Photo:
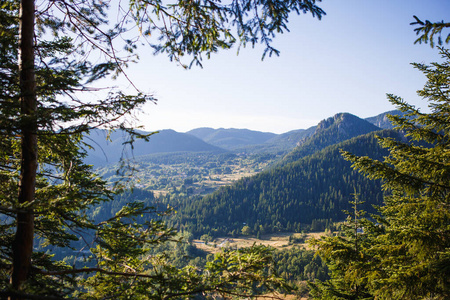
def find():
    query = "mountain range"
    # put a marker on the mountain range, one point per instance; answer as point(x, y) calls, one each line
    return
point(308, 189)
point(306, 185)
point(103, 151)
point(110, 150)
point(231, 138)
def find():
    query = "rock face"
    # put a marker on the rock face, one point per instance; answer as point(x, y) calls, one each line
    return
point(346, 124)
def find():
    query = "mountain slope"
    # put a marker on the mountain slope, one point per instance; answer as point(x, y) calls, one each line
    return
point(313, 190)
point(292, 138)
point(336, 129)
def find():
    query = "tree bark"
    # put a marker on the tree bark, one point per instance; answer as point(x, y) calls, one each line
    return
point(23, 241)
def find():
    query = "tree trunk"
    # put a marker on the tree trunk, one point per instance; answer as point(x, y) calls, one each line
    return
point(23, 241)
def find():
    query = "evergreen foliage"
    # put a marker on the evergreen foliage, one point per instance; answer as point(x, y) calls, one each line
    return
point(297, 264)
point(428, 30)
point(408, 247)
point(347, 257)
point(52, 52)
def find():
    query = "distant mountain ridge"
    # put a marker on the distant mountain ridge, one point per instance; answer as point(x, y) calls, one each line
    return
point(293, 137)
point(250, 141)
point(231, 138)
point(164, 141)
point(332, 130)
point(383, 121)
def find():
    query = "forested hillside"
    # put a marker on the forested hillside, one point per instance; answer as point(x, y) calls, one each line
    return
point(307, 190)
point(333, 130)
point(310, 192)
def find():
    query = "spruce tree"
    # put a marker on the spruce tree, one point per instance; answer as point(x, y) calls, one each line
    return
point(428, 31)
point(404, 251)
point(347, 258)
point(52, 55)
point(411, 255)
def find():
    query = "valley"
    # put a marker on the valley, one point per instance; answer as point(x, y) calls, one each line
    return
point(112, 186)
point(279, 241)
point(239, 188)
point(190, 174)
point(202, 160)
point(293, 182)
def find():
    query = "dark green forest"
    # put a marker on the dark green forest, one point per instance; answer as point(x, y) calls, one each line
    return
point(309, 194)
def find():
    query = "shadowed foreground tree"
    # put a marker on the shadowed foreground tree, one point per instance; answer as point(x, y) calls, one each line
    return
point(408, 247)
point(52, 52)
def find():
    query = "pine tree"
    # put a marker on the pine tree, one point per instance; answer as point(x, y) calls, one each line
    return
point(347, 258)
point(52, 54)
point(412, 253)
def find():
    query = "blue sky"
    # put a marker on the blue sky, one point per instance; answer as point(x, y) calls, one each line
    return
point(347, 62)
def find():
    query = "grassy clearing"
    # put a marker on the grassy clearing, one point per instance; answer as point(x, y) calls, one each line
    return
point(279, 241)
point(276, 240)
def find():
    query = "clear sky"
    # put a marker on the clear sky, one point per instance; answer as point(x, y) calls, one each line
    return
point(347, 62)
